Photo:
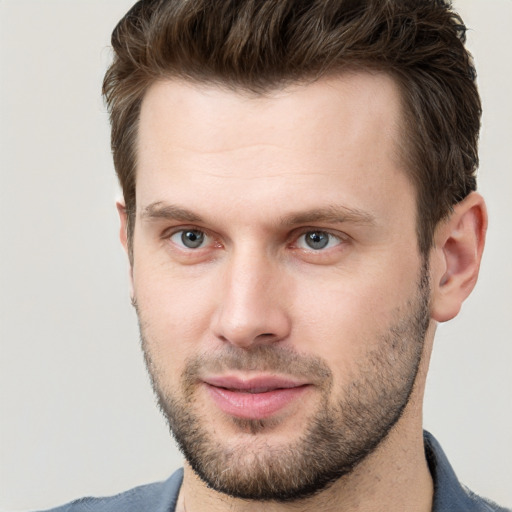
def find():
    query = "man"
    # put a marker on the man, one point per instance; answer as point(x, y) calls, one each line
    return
point(299, 213)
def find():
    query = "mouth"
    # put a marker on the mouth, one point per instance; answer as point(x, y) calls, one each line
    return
point(256, 397)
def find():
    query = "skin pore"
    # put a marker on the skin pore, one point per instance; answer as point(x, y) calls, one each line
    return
point(287, 316)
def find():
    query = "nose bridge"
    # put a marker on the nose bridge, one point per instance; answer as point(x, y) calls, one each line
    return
point(252, 308)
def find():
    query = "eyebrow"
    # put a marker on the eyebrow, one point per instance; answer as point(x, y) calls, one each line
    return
point(160, 210)
point(331, 214)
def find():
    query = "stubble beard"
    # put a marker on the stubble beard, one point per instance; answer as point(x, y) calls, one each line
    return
point(338, 435)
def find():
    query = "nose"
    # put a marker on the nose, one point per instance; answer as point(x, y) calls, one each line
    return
point(252, 309)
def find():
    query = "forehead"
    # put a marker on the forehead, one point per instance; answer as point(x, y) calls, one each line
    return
point(203, 117)
point(338, 137)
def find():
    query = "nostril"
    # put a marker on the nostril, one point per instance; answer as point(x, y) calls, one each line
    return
point(266, 335)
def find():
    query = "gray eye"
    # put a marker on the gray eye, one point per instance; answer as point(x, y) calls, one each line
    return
point(317, 239)
point(192, 238)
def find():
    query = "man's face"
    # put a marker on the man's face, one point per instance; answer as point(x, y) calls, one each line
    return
point(282, 300)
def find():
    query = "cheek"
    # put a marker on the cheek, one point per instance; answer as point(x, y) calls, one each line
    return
point(336, 327)
point(174, 314)
point(343, 320)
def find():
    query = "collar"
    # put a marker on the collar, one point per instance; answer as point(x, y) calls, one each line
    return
point(449, 494)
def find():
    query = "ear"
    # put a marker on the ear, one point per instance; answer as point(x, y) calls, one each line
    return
point(123, 236)
point(455, 258)
point(123, 224)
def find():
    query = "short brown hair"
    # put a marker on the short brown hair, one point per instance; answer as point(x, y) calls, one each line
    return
point(260, 45)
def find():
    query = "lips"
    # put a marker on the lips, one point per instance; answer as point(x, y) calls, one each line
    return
point(254, 398)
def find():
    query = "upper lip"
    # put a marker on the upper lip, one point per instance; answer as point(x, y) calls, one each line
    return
point(254, 384)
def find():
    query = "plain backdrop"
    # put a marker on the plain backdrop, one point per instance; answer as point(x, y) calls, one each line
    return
point(77, 416)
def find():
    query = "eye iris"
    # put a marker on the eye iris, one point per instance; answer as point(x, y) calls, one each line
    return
point(192, 238)
point(317, 239)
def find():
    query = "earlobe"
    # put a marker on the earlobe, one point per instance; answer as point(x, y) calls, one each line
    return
point(455, 262)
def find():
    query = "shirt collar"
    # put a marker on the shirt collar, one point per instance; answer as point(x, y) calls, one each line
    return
point(449, 493)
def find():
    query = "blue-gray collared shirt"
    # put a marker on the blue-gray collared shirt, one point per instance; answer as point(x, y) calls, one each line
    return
point(449, 494)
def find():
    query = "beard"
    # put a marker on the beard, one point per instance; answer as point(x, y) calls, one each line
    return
point(342, 431)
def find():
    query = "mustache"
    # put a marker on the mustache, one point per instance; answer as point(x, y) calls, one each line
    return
point(261, 358)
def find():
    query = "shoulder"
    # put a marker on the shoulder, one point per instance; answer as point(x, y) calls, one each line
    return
point(157, 497)
point(481, 504)
point(449, 494)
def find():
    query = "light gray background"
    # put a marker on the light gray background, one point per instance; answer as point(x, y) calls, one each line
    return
point(77, 416)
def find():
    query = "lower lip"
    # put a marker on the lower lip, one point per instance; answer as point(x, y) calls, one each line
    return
point(254, 406)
